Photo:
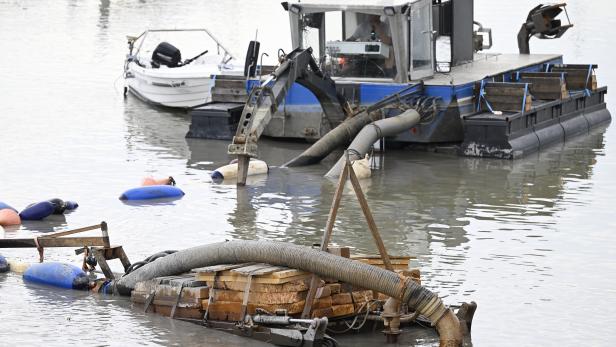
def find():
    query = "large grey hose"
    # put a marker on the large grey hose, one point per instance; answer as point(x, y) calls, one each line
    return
point(337, 137)
point(372, 132)
point(307, 259)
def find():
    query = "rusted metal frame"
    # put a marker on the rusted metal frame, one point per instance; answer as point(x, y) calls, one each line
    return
point(99, 254)
point(109, 253)
point(331, 219)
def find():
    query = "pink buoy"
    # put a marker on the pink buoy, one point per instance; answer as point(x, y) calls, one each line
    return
point(151, 181)
point(9, 217)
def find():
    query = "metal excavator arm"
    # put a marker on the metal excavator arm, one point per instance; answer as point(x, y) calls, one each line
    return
point(297, 66)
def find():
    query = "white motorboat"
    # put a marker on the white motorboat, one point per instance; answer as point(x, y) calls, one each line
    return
point(156, 73)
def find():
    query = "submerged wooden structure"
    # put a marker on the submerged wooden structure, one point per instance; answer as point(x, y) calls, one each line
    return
point(228, 292)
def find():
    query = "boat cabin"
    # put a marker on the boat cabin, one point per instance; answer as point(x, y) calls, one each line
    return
point(386, 40)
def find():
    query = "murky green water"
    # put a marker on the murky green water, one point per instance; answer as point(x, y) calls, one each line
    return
point(530, 240)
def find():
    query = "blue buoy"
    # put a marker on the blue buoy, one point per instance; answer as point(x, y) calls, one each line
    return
point(3, 206)
point(57, 275)
point(4, 265)
point(37, 211)
point(71, 205)
point(152, 192)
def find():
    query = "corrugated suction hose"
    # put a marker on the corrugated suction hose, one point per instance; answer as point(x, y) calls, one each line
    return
point(308, 259)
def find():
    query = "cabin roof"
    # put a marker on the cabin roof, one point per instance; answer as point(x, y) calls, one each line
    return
point(310, 6)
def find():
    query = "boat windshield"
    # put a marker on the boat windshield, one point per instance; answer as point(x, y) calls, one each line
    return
point(190, 42)
point(354, 44)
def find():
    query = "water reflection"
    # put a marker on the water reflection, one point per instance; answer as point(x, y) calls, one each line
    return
point(155, 130)
point(103, 20)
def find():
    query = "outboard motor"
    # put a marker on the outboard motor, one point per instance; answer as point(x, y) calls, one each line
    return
point(166, 54)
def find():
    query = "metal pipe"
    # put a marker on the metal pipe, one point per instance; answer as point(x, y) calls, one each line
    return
point(372, 132)
point(340, 135)
point(307, 259)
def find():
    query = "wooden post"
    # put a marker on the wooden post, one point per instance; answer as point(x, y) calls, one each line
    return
point(329, 227)
point(371, 224)
point(347, 172)
point(99, 254)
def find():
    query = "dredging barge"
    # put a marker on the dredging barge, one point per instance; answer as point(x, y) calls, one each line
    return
point(375, 60)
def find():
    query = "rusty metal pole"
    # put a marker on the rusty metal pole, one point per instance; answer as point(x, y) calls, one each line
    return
point(331, 219)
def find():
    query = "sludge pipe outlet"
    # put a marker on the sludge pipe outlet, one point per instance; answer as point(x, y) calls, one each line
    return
point(307, 259)
point(371, 133)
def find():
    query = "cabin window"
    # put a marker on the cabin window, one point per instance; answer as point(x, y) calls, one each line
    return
point(351, 44)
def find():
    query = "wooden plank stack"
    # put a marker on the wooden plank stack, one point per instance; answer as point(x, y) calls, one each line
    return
point(163, 293)
point(577, 75)
point(220, 291)
point(545, 85)
point(507, 97)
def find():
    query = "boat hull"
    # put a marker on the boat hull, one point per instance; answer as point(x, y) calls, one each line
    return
point(169, 91)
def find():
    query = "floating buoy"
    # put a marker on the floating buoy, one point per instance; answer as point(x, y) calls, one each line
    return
point(3, 206)
point(18, 266)
point(255, 167)
point(362, 168)
point(152, 192)
point(71, 205)
point(57, 275)
point(151, 181)
point(9, 217)
point(4, 265)
point(37, 211)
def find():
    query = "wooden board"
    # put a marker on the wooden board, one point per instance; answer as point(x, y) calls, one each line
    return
point(260, 272)
point(343, 310)
point(334, 311)
point(258, 279)
point(222, 267)
point(232, 311)
point(334, 287)
point(362, 296)
point(180, 312)
point(342, 299)
point(292, 286)
point(259, 298)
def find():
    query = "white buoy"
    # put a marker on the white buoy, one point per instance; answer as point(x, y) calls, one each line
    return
point(18, 267)
point(362, 168)
point(255, 167)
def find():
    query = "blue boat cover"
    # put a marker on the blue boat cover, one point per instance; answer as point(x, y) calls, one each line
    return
point(152, 192)
point(58, 275)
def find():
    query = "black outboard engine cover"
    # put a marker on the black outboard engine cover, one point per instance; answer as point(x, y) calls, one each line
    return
point(166, 54)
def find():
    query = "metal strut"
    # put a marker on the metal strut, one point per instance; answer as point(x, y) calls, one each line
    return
point(297, 66)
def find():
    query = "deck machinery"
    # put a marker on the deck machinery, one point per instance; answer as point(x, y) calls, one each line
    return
point(347, 57)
